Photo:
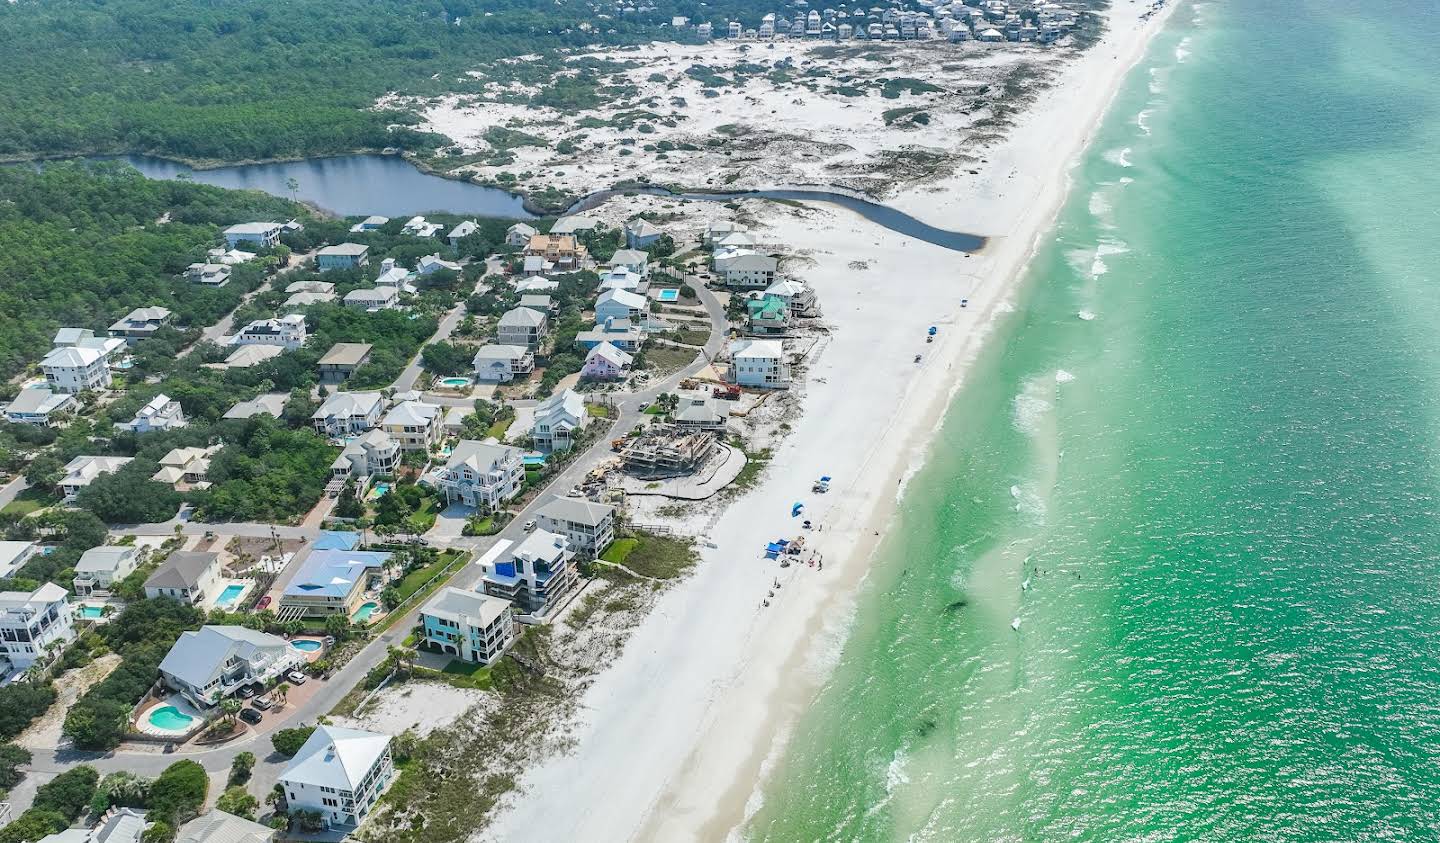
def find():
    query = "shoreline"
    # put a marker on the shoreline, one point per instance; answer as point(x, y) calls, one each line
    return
point(693, 715)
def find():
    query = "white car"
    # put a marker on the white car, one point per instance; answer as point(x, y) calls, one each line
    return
point(297, 677)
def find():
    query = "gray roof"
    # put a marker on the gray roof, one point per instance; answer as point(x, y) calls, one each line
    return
point(346, 354)
point(481, 456)
point(220, 827)
point(105, 558)
point(346, 249)
point(182, 570)
point(522, 317)
point(271, 403)
point(38, 400)
point(577, 510)
point(470, 607)
point(199, 656)
point(70, 336)
point(628, 256)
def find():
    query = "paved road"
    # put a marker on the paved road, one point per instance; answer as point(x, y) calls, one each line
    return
point(448, 323)
point(221, 329)
point(11, 490)
point(152, 762)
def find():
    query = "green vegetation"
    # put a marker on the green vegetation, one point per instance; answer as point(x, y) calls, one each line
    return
point(58, 803)
point(82, 245)
point(463, 674)
point(142, 634)
point(28, 501)
point(661, 557)
point(177, 795)
point(12, 758)
point(287, 742)
point(265, 473)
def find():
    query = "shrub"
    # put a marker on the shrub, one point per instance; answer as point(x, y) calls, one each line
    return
point(69, 793)
point(287, 742)
point(177, 795)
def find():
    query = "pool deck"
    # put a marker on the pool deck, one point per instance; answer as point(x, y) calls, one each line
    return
point(311, 656)
point(213, 601)
point(143, 724)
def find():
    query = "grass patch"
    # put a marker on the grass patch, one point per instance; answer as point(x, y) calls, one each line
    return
point(663, 361)
point(28, 501)
point(498, 429)
point(661, 557)
point(464, 674)
point(619, 550)
point(601, 411)
point(755, 463)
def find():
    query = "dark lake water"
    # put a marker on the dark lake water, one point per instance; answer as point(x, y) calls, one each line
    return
point(351, 184)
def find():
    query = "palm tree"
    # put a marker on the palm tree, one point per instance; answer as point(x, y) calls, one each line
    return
point(282, 691)
point(230, 708)
point(294, 187)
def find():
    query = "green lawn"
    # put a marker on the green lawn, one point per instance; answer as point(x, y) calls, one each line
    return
point(661, 557)
point(661, 361)
point(463, 674)
point(654, 410)
point(498, 429)
point(412, 581)
point(423, 518)
point(28, 501)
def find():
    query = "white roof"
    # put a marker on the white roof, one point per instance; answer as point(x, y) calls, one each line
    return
point(468, 608)
point(566, 400)
point(642, 227)
point(36, 600)
point(199, 656)
point(252, 228)
point(250, 355)
point(416, 413)
point(626, 298)
point(768, 349)
point(336, 757)
point(310, 287)
point(628, 256)
point(350, 249)
point(572, 224)
point(786, 288)
point(499, 352)
point(72, 357)
point(522, 317)
point(464, 229)
point(375, 294)
point(481, 456)
point(523, 229)
point(12, 553)
point(105, 558)
point(748, 262)
point(38, 400)
point(577, 510)
point(347, 404)
point(610, 352)
point(217, 826)
point(71, 336)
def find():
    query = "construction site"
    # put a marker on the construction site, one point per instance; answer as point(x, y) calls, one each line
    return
point(667, 450)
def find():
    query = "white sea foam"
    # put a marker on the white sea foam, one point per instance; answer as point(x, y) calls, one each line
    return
point(1031, 405)
point(1086, 315)
point(1100, 209)
point(1125, 181)
point(1079, 260)
point(1182, 50)
point(1098, 267)
point(1028, 503)
point(1157, 85)
point(1143, 121)
point(1119, 157)
point(1062, 376)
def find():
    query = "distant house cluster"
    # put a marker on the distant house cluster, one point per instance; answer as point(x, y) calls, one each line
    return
point(990, 21)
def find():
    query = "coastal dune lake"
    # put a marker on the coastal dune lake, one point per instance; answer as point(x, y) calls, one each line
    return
point(1199, 468)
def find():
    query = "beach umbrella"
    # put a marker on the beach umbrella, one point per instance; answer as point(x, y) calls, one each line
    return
point(795, 510)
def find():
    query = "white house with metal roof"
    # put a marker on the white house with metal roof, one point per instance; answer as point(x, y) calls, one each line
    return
point(557, 421)
point(31, 622)
point(339, 773)
point(288, 331)
point(73, 369)
point(521, 326)
point(38, 405)
point(502, 363)
point(216, 826)
point(13, 556)
point(259, 233)
point(209, 664)
point(480, 474)
point(342, 256)
point(534, 576)
point(345, 413)
point(101, 567)
point(159, 413)
point(760, 363)
point(80, 471)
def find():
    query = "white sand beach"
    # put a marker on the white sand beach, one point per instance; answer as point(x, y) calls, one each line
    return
point(676, 735)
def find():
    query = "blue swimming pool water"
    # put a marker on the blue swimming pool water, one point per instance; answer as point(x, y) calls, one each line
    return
point(229, 595)
point(381, 488)
point(668, 295)
point(362, 615)
point(307, 645)
point(170, 718)
point(92, 612)
point(455, 383)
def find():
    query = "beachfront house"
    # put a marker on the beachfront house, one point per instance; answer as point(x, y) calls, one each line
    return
point(187, 576)
point(415, 425)
point(621, 304)
point(32, 623)
point(633, 260)
point(140, 323)
point(535, 576)
point(99, 568)
point(468, 625)
point(798, 298)
point(518, 235)
point(480, 474)
point(699, 412)
point(288, 332)
point(80, 471)
point(342, 256)
point(73, 370)
point(640, 233)
point(522, 326)
point(339, 774)
point(211, 663)
point(38, 405)
point(461, 231)
point(558, 419)
point(159, 413)
point(766, 316)
point(748, 271)
point(502, 363)
point(347, 413)
point(605, 362)
point(341, 361)
point(371, 454)
point(759, 363)
point(589, 526)
point(13, 556)
point(333, 582)
point(260, 234)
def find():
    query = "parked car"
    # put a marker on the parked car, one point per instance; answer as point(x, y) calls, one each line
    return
point(251, 716)
point(247, 691)
point(262, 702)
point(297, 677)
point(529, 525)
point(264, 601)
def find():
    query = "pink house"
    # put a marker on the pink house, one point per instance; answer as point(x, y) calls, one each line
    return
point(605, 362)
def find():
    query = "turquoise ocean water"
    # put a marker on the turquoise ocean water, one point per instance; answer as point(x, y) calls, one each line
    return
point(1221, 489)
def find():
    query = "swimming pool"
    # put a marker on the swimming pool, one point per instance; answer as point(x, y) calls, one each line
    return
point(362, 614)
point(230, 595)
point(671, 294)
point(90, 613)
point(306, 645)
point(455, 383)
point(379, 489)
point(168, 718)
